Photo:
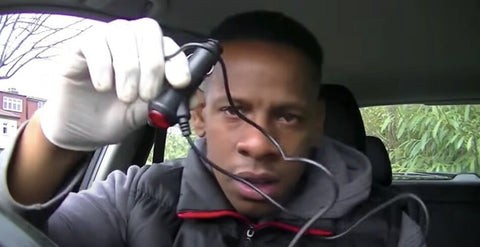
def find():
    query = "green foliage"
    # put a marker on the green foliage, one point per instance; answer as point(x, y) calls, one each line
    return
point(418, 138)
point(176, 146)
point(428, 138)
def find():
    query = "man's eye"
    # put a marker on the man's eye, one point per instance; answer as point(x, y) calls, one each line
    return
point(229, 111)
point(290, 118)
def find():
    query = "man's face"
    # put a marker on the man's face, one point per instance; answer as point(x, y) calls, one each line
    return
point(271, 84)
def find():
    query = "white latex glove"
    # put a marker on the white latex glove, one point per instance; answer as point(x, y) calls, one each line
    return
point(103, 88)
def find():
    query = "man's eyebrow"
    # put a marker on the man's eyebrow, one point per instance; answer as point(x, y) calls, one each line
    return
point(224, 100)
point(292, 103)
point(279, 106)
point(302, 107)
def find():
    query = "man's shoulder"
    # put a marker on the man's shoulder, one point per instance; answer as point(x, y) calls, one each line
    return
point(175, 164)
point(159, 180)
point(162, 173)
point(378, 196)
point(390, 218)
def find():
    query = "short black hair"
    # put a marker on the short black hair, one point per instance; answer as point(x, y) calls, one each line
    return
point(273, 27)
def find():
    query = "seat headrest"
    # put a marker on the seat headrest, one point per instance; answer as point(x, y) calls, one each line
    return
point(378, 155)
point(343, 121)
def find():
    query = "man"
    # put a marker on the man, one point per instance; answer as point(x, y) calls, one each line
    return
point(273, 66)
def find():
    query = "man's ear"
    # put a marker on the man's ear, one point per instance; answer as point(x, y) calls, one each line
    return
point(196, 117)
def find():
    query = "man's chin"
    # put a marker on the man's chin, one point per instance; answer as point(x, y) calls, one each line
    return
point(255, 209)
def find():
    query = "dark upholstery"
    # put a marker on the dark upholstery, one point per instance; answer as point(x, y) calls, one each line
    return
point(378, 155)
point(344, 123)
point(343, 120)
point(454, 207)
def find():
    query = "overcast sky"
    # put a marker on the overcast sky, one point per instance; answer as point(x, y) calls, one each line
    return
point(32, 80)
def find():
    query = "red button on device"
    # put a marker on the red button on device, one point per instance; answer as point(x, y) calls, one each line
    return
point(158, 120)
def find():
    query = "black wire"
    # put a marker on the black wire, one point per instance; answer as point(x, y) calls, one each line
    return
point(329, 175)
point(381, 207)
point(191, 45)
point(185, 128)
point(274, 142)
point(225, 172)
point(184, 125)
point(271, 139)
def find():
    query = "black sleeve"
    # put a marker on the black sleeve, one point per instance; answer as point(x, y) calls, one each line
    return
point(128, 209)
point(125, 209)
point(38, 213)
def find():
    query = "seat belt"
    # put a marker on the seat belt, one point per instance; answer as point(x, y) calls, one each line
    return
point(159, 145)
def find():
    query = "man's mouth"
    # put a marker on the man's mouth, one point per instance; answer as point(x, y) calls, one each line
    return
point(260, 180)
point(265, 182)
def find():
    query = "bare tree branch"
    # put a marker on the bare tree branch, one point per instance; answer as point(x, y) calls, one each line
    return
point(19, 60)
point(28, 37)
point(3, 19)
point(2, 56)
point(14, 68)
point(35, 27)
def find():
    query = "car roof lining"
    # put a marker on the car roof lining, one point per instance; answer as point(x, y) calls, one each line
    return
point(386, 52)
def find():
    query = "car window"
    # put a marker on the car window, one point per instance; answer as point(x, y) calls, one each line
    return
point(29, 43)
point(176, 146)
point(434, 139)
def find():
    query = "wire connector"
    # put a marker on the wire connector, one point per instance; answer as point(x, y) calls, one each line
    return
point(183, 115)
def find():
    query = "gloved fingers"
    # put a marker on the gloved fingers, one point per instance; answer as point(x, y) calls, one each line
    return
point(121, 40)
point(97, 56)
point(149, 39)
point(176, 68)
point(137, 114)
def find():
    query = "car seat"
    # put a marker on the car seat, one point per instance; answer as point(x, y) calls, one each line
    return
point(343, 122)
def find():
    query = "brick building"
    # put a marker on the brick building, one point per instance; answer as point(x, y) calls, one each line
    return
point(15, 110)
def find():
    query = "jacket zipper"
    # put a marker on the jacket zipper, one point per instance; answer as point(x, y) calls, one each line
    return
point(249, 235)
point(252, 228)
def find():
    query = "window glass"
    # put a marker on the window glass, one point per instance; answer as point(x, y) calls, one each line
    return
point(176, 146)
point(28, 44)
point(12, 104)
point(441, 139)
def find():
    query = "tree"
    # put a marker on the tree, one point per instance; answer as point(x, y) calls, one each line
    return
point(176, 146)
point(428, 138)
point(26, 37)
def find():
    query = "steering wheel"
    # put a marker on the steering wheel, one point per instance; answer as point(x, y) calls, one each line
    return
point(16, 231)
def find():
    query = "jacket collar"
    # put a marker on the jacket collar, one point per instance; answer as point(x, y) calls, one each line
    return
point(200, 191)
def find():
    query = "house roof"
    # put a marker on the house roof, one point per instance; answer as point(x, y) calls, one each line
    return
point(37, 99)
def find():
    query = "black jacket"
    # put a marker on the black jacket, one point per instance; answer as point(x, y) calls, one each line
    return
point(179, 204)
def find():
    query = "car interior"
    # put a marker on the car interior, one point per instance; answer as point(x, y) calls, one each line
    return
point(377, 53)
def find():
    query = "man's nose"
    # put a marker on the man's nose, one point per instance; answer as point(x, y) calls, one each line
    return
point(254, 144)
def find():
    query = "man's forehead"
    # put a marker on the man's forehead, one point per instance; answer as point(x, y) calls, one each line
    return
point(246, 55)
